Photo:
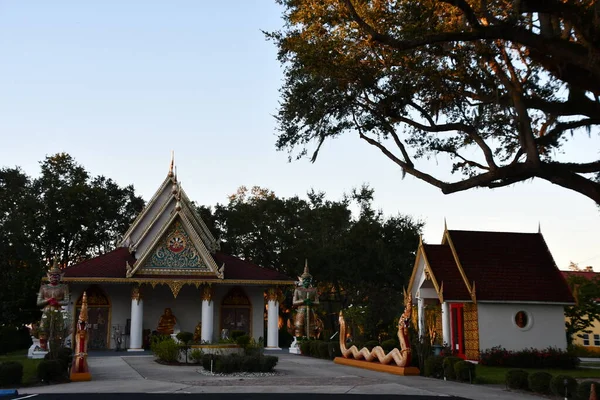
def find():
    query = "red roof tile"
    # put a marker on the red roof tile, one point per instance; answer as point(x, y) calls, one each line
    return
point(108, 265)
point(510, 266)
point(239, 269)
point(444, 269)
point(585, 274)
point(112, 265)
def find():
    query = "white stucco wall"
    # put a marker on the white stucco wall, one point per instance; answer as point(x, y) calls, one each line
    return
point(187, 307)
point(497, 326)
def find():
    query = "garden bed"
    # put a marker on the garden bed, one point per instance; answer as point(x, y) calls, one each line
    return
point(29, 366)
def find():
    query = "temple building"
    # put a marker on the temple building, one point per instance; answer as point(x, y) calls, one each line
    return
point(168, 275)
point(478, 290)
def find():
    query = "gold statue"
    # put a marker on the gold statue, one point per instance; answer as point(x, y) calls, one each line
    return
point(400, 357)
point(79, 367)
point(166, 323)
point(306, 321)
point(51, 297)
point(198, 333)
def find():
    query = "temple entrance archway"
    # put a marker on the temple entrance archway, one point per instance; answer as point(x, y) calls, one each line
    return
point(236, 312)
point(99, 316)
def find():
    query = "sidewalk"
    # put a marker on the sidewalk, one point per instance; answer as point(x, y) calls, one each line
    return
point(131, 373)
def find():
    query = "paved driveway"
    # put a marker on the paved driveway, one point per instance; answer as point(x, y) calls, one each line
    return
point(128, 373)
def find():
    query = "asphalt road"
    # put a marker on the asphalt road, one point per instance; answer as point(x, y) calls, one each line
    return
point(225, 396)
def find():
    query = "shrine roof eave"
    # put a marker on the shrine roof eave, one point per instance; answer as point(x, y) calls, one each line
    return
point(165, 280)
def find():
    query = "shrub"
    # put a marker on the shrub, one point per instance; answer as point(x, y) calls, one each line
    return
point(11, 373)
point(236, 334)
point(539, 382)
point(185, 337)
point(207, 359)
point(333, 350)
point(517, 379)
point(64, 356)
point(166, 351)
point(389, 345)
point(434, 367)
point(584, 388)
point(285, 338)
point(243, 341)
point(558, 387)
point(305, 347)
point(314, 347)
point(529, 358)
point(464, 371)
point(448, 365)
point(268, 363)
point(50, 371)
point(323, 349)
point(13, 338)
point(196, 355)
point(371, 343)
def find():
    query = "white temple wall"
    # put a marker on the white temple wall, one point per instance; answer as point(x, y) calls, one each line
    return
point(497, 327)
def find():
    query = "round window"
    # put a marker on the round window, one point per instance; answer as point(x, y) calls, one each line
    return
point(521, 319)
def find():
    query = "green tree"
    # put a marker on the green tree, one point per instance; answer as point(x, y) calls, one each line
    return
point(363, 261)
point(80, 216)
point(20, 265)
point(497, 86)
point(586, 312)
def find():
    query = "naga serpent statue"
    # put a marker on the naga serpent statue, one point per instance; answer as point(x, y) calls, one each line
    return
point(400, 357)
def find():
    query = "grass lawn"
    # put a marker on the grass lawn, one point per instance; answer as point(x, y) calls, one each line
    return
point(29, 365)
point(495, 375)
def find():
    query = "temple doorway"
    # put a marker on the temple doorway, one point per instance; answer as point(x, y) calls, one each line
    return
point(236, 312)
point(99, 314)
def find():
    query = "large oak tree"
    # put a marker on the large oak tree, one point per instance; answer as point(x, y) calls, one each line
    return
point(498, 86)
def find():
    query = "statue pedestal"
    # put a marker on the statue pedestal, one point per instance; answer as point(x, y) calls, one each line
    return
point(295, 347)
point(35, 351)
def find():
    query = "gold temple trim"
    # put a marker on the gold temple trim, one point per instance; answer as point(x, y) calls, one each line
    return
point(158, 281)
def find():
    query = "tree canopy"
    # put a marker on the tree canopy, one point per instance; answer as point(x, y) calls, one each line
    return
point(362, 260)
point(586, 312)
point(63, 213)
point(498, 86)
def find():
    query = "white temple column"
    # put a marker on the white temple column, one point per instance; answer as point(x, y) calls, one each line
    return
point(421, 314)
point(137, 320)
point(446, 322)
point(208, 311)
point(273, 319)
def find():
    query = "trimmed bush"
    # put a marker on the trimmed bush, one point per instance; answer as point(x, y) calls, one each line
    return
point(196, 355)
point(389, 345)
point(11, 373)
point(517, 379)
point(323, 349)
point(539, 382)
point(464, 371)
point(584, 388)
point(371, 343)
point(235, 363)
point(236, 334)
point(285, 338)
point(558, 387)
point(434, 367)
point(13, 338)
point(314, 347)
point(166, 351)
point(243, 341)
point(50, 371)
point(185, 337)
point(305, 347)
point(333, 349)
point(529, 358)
point(448, 365)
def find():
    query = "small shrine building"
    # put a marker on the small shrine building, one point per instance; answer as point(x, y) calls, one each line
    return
point(169, 259)
point(478, 290)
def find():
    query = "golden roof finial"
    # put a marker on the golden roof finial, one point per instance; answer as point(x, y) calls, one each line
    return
point(172, 163)
point(445, 225)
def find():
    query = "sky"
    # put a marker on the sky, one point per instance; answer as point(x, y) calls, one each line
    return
point(120, 84)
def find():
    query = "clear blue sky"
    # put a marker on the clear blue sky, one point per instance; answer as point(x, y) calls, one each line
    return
point(119, 84)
